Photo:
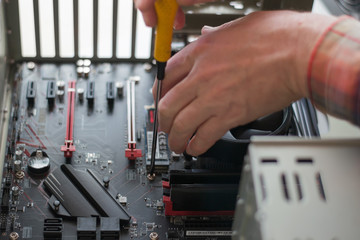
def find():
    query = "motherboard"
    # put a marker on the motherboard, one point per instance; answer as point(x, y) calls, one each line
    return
point(78, 156)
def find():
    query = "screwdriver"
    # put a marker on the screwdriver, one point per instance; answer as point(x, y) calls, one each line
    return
point(166, 12)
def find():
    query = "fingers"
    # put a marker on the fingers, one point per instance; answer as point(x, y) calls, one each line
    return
point(186, 122)
point(177, 68)
point(206, 136)
point(179, 19)
point(147, 9)
point(171, 104)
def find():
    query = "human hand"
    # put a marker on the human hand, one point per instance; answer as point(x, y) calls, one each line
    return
point(234, 74)
point(147, 8)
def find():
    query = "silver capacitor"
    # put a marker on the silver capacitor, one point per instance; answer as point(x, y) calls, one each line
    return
point(15, 193)
point(60, 94)
point(80, 71)
point(86, 71)
point(87, 62)
point(119, 88)
point(18, 154)
point(80, 63)
point(81, 92)
point(60, 85)
point(17, 165)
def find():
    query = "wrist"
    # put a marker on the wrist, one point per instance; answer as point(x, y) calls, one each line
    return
point(312, 28)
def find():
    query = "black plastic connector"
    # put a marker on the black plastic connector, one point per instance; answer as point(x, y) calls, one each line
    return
point(90, 93)
point(86, 228)
point(110, 95)
point(51, 93)
point(109, 228)
point(53, 228)
point(5, 200)
point(31, 93)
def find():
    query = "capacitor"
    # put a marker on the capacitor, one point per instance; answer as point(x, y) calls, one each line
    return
point(15, 193)
point(86, 71)
point(119, 88)
point(80, 63)
point(81, 92)
point(31, 65)
point(138, 135)
point(17, 165)
point(18, 154)
point(60, 94)
point(38, 163)
point(60, 85)
point(80, 71)
point(147, 67)
point(87, 62)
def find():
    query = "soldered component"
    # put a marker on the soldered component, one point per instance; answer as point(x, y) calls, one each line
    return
point(90, 92)
point(14, 236)
point(86, 71)
point(123, 200)
point(38, 163)
point(15, 193)
point(31, 93)
point(119, 89)
point(60, 94)
point(17, 165)
point(80, 71)
point(20, 175)
point(80, 63)
point(80, 92)
point(31, 65)
point(154, 236)
point(110, 96)
point(60, 85)
point(147, 67)
point(51, 92)
point(18, 154)
point(87, 63)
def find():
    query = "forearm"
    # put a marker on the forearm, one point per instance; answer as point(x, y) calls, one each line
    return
point(334, 70)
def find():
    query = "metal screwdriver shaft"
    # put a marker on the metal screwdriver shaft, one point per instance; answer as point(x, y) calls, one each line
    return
point(166, 12)
point(160, 76)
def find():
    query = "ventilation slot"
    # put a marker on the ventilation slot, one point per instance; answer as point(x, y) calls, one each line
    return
point(27, 28)
point(298, 187)
point(285, 187)
point(320, 186)
point(269, 161)
point(66, 28)
point(305, 161)
point(86, 28)
point(263, 188)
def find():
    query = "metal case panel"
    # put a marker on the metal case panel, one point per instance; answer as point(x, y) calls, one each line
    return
point(304, 189)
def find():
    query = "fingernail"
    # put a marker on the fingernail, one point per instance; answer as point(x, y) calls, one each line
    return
point(206, 27)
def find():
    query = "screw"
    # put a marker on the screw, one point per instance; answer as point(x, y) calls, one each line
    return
point(106, 181)
point(56, 205)
point(154, 236)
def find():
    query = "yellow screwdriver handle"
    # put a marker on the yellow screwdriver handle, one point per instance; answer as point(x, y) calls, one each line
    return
point(166, 12)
